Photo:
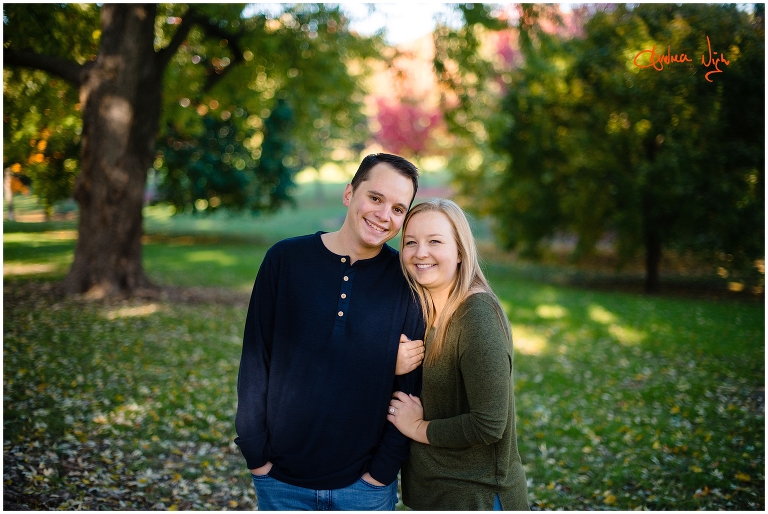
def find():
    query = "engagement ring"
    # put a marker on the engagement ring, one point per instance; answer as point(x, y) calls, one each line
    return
point(391, 410)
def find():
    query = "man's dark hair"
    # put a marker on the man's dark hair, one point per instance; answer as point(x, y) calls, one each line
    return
point(402, 166)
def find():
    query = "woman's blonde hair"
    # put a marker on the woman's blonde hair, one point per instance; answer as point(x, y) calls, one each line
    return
point(469, 276)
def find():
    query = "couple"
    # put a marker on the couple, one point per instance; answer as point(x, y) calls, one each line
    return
point(330, 389)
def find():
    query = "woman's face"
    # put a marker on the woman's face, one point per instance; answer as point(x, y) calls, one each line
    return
point(430, 253)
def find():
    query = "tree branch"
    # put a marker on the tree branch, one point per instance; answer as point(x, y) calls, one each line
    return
point(67, 70)
point(214, 31)
point(164, 55)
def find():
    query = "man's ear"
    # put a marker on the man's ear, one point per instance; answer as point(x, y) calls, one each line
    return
point(347, 195)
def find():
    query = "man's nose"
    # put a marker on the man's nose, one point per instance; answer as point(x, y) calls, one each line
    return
point(383, 212)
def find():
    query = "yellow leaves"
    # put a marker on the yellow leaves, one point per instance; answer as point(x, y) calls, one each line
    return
point(155, 438)
point(675, 409)
point(695, 468)
point(100, 419)
point(551, 486)
point(701, 493)
point(656, 445)
point(173, 507)
point(233, 503)
point(42, 145)
point(586, 449)
point(609, 498)
point(743, 477)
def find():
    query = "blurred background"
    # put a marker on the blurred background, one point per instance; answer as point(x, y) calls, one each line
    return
point(611, 157)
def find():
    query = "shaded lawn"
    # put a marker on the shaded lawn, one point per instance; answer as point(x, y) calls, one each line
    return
point(628, 401)
point(623, 401)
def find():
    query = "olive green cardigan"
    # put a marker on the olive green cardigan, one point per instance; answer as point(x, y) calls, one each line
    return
point(468, 398)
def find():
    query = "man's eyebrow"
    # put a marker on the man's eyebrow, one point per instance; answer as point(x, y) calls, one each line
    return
point(373, 192)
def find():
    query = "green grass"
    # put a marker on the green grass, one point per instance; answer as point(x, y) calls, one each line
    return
point(627, 401)
point(624, 401)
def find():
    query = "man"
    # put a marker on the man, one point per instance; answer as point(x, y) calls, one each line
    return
point(327, 314)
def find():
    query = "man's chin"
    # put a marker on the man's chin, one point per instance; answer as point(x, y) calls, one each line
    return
point(374, 242)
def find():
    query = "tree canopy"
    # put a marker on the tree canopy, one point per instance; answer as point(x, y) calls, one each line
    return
point(595, 141)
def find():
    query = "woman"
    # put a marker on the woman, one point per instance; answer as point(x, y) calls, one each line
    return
point(464, 451)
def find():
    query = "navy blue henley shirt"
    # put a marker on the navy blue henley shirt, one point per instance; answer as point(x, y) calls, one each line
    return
point(318, 365)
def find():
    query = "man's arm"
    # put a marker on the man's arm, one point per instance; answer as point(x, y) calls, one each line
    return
point(253, 377)
point(392, 450)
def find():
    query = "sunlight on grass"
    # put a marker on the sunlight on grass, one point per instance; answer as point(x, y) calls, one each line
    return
point(527, 340)
point(217, 256)
point(551, 311)
point(132, 312)
point(627, 336)
point(40, 237)
point(599, 314)
point(17, 269)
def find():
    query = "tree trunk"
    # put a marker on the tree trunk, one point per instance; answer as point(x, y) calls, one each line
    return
point(8, 192)
point(120, 99)
point(652, 242)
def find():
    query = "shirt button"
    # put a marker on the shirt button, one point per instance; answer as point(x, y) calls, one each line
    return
point(346, 279)
point(343, 259)
point(343, 295)
point(341, 313)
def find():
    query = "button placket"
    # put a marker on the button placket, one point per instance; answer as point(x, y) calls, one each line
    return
point(344, 293)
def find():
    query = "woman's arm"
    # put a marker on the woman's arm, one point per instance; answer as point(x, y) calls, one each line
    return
point(485, 361)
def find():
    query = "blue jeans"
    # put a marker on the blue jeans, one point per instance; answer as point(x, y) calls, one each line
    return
point(497, 503)
point(272, 494)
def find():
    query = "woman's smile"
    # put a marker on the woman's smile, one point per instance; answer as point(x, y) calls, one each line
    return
point(430, 252)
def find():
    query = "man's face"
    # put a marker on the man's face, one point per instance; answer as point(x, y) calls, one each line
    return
point(377, 208)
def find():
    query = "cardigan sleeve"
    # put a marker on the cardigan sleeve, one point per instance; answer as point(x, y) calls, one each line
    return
point(392, 450)
point(485, 362)
point(253, 377)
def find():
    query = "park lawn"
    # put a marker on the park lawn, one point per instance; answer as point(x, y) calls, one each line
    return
point(623, 401)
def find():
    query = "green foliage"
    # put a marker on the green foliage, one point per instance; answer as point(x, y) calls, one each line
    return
point(599, 146)
point(41, 119)
point(304, 56)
